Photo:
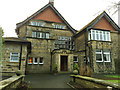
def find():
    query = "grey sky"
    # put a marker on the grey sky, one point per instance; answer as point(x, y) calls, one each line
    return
point(77, 12)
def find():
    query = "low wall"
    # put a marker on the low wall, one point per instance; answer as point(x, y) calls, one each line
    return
point(10, 83)
point(88, 82)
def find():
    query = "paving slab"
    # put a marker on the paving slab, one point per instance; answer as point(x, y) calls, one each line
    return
point(48, 80)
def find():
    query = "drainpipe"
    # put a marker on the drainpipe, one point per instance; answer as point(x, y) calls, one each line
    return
point(86, 46)
point(51, 62)
point(20, 56)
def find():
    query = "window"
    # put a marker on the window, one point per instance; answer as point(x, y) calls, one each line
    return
point(40, 35)
point(14, 57)
point(59, 26)
point(43, 35)
point(106, 56)
point(102, 56)
point(75, 59)
point(47, 35)
point(30, 61)
point(35, 60)
point(41, 60)
point(99, 56)
point(33, 34)
point(34, 23)
point(99, 35)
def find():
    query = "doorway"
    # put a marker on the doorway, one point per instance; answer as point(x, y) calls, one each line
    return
point(64, 63)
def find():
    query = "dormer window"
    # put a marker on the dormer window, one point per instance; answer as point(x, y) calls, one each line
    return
point(99, 35)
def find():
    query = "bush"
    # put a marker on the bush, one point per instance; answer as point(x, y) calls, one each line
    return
point(18, 73)
point(76, 67)
point(55, 68)
point(75, 72)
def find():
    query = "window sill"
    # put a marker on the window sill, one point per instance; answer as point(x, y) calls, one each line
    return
point(41, 63)
point(14, 61)
point(35, 63)
point(99, 41)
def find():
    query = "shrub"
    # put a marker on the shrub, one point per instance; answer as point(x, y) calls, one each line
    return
point(75, 72)
point(18, 73)
point(76, 67)
point(55, 68)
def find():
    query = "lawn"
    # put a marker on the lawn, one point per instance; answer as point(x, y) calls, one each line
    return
point(113, 77)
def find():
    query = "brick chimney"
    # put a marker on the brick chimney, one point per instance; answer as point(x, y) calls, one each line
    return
point(119, 13)
point(51, 2)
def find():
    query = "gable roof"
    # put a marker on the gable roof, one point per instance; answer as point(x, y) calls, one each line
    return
point(97, 19)
point(41, 10)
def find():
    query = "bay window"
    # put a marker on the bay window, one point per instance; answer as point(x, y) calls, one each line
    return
point(99, 35)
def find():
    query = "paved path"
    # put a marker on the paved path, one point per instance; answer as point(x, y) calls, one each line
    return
point(48, 80)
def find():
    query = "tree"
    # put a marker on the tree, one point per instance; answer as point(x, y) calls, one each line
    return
point(1, 44)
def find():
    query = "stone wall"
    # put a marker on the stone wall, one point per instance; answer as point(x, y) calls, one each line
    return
point(92, 83)
point(11, 83)
point(91, 46)
point(8, 67)
point(43, 47)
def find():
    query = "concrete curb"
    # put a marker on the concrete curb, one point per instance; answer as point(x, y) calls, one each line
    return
point(71, 86)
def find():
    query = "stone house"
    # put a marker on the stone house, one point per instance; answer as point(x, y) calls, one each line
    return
point(46, 38)
point(97, 44)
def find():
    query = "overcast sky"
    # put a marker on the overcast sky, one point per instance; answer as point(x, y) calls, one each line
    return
point(78, 13)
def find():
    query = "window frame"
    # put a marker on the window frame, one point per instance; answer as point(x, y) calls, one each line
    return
point(29, 59)
point(107, 53)
point(75, 61)
point(97, 34)
point(42, 61)
point(34, 36)
point(34, 60)
point(101, 56)
point(11, 57)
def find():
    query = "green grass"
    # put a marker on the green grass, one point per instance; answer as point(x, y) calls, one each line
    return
point(114, 76)
point(113, 81)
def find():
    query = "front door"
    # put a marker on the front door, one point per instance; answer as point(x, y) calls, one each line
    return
point(64, 63)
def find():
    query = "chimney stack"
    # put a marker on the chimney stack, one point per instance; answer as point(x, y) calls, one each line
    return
point(51, 2)
point(119, 13)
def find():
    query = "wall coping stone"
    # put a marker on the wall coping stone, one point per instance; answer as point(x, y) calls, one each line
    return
point(98, 81)
point(7, 82)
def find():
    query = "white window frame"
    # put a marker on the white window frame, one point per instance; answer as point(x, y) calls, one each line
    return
point(39, 60)
point(108, 53)
point(75, 61)
point(34, 61)
point(101, 56)
point(34, 34)
point(105, 35)
point(47, 35)
point(11, 57)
